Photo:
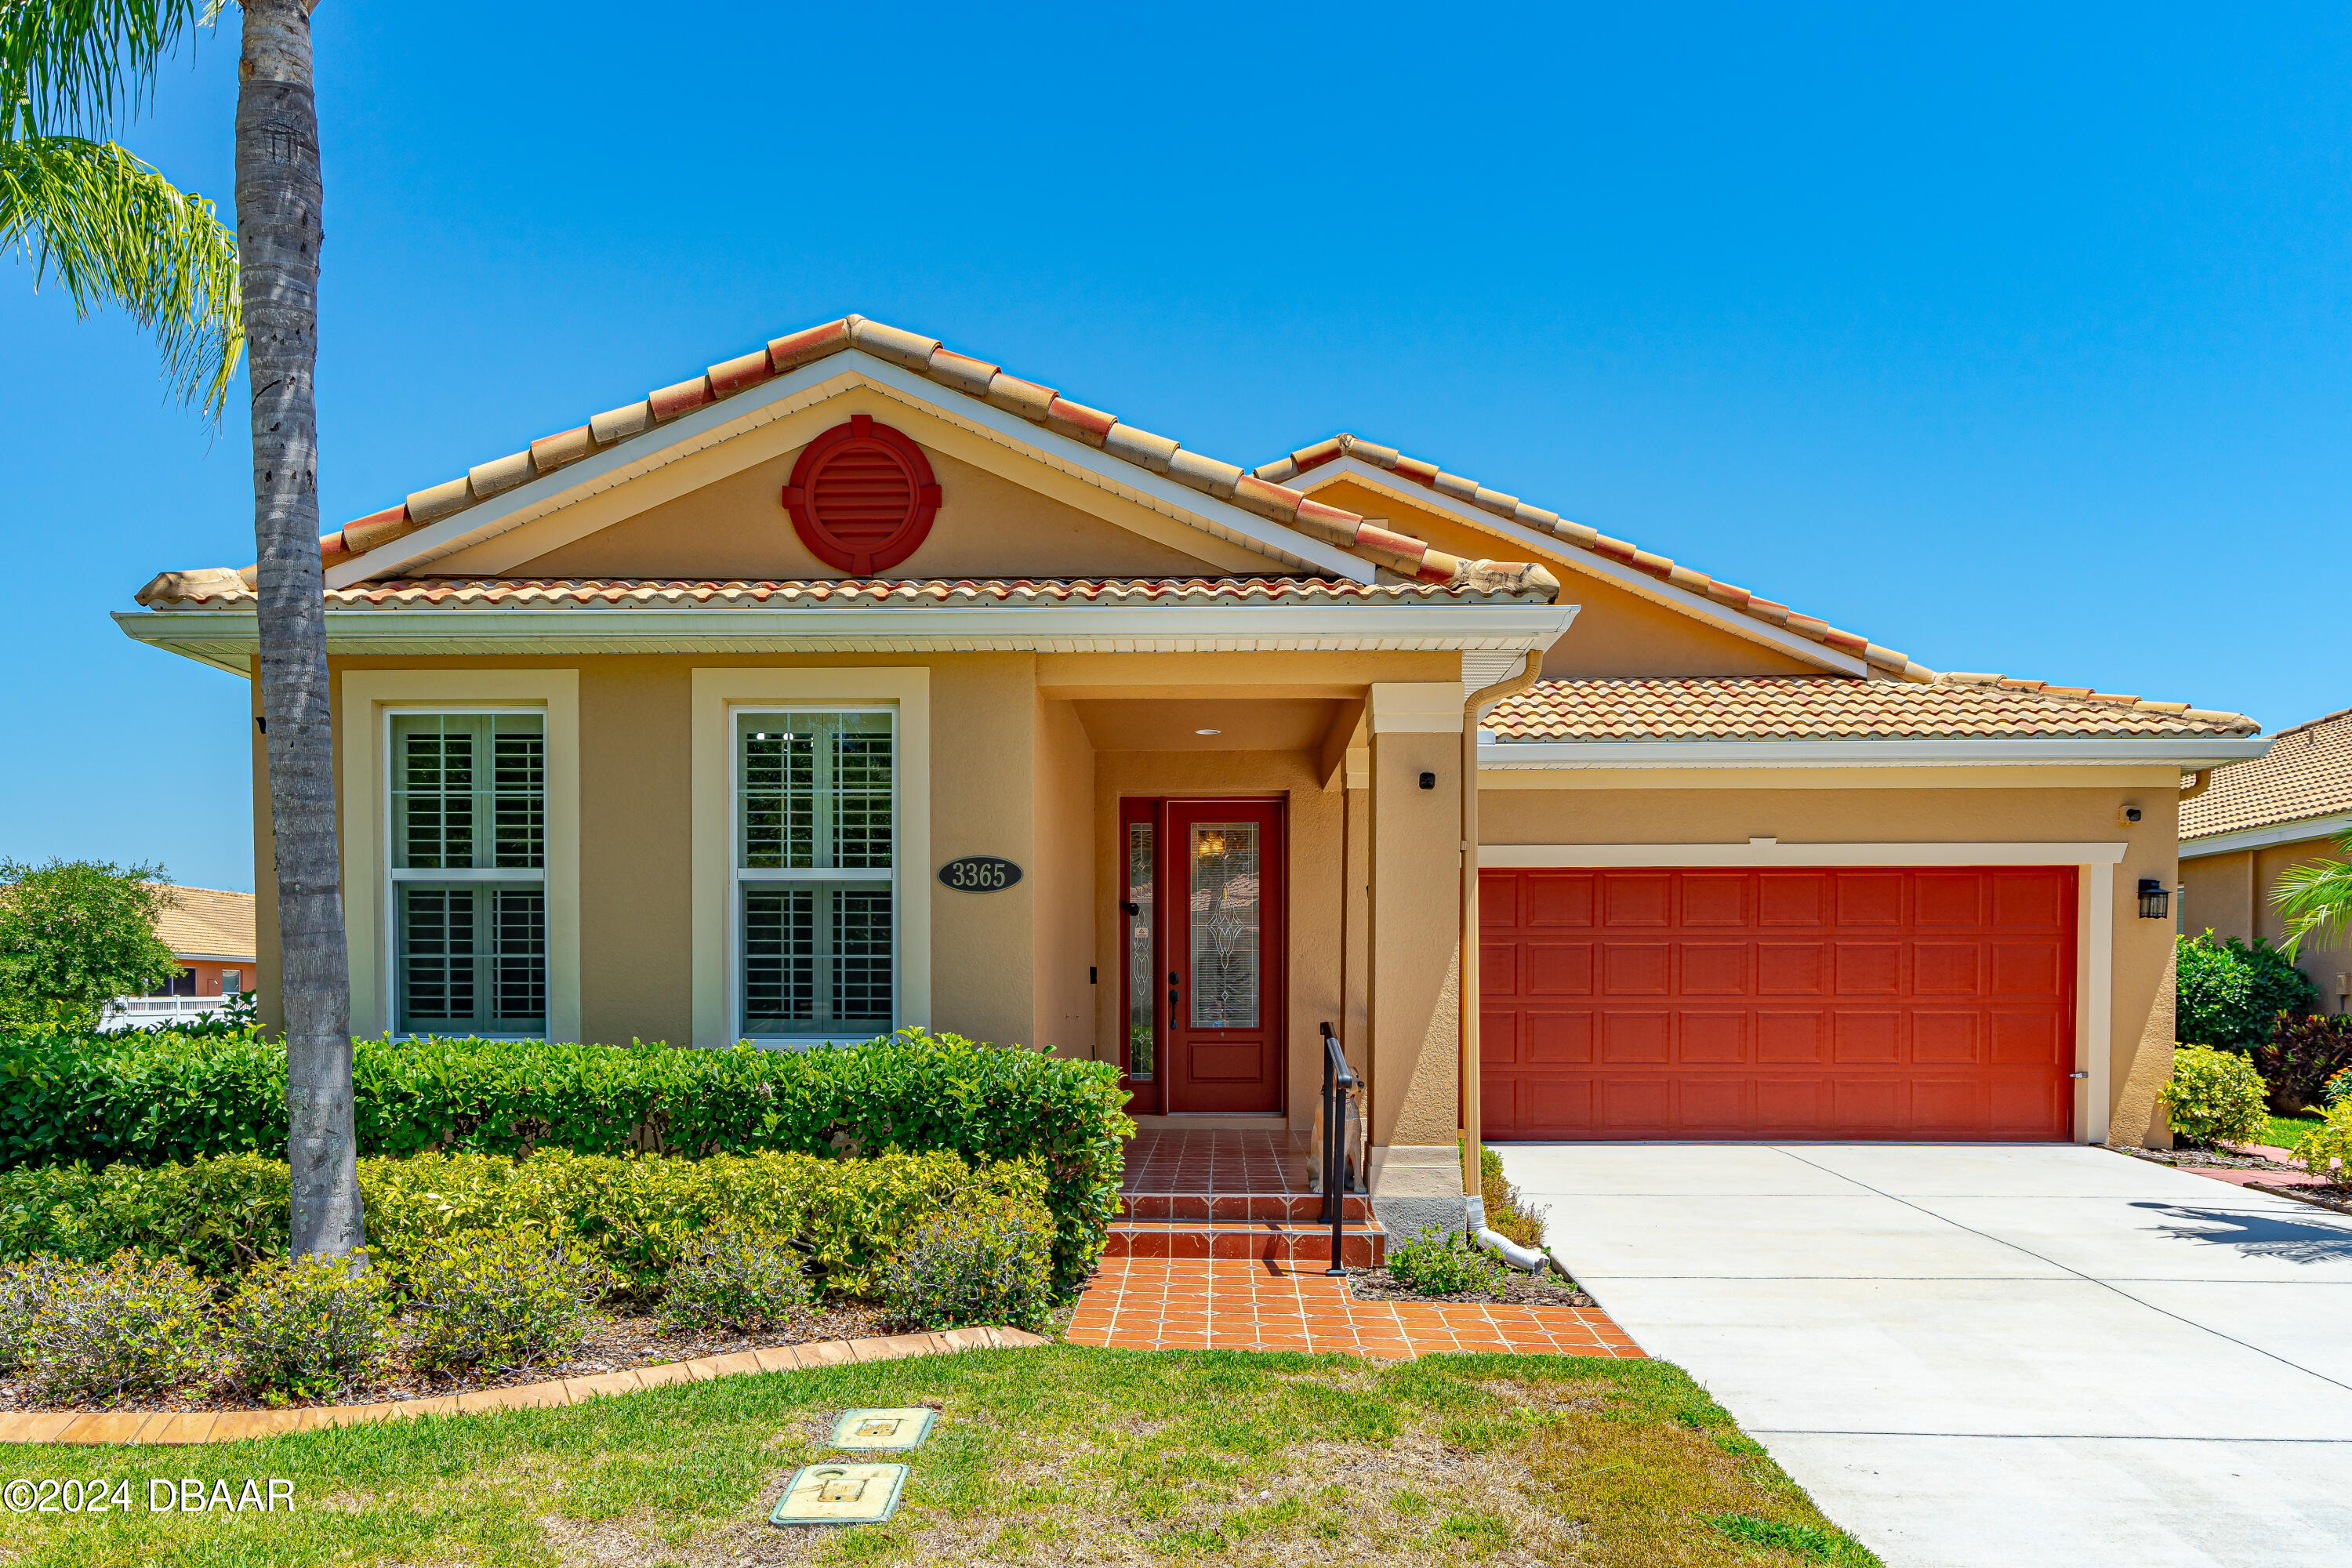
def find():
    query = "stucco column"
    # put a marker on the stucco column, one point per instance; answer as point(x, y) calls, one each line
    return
point(1415, 779)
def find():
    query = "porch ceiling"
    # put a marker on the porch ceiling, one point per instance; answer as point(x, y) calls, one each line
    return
point(1243, 724)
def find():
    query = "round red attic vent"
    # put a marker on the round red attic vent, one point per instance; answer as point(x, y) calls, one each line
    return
point(862, 497)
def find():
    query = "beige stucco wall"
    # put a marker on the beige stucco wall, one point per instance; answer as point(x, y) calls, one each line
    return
point(1066, 895)
point(1414, 1065)
point(1676, 812)
point(2229, 893)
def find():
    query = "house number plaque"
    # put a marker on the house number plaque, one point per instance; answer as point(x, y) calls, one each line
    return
point(979, 873)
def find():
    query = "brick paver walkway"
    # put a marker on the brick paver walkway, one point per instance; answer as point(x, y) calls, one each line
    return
point(1156, 1303)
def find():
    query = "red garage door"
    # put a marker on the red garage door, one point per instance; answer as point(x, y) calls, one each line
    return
point(1879, 1003)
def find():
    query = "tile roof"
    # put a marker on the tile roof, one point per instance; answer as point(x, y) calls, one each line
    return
point(978, 379)
point(224, 590)
point(1580, 537)
point(1831, 707)
point(208, 920)
point(2308, 773)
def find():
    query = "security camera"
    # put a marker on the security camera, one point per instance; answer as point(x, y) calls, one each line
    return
point(2131, 814)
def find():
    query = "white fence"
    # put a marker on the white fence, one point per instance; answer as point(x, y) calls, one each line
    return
point(154, 1012)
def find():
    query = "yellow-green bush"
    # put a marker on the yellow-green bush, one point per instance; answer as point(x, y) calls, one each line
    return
point(2327, 1150)
point(311, 1329)
point(501, 1299)
point(2214, 1096)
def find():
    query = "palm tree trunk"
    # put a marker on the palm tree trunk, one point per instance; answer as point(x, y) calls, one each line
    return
point(278, 236)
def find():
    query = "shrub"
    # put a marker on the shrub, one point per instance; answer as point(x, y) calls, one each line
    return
point(2327, 1150)
point(979, 1263)
point(154, 1098)
point(2302, 1054)
point(74, 935)
point(1442, 1263)
point(735, 1279)
point(637, 1212)
point(311, 1329)
point(2332, 1092)
point(134, 1325)
point(24, 1284)
point(1508, 1212)
point(2228, 993)
point(2214, 1096)
point(502, 1298)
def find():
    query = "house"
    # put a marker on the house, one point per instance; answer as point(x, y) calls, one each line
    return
point(856, 683)
point(211, 932)
point(2255, 820)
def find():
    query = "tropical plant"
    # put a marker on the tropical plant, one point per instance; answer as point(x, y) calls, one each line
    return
point(2316, 898)
point(79, 60)
point(1444, 1263)
point(75, 934)
point(2229, 993)
point(2304, 1054)
point(111, 228)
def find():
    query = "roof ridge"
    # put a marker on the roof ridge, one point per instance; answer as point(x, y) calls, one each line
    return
point(979, 379)
point(2314, 724)
point(1579, 535)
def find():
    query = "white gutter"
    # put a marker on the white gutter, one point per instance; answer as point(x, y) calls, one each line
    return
point(226, 639)
point(2186, 752)
point(2263, 837)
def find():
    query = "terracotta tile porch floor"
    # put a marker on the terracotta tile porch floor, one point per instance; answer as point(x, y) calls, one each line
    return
point(1154, 1304)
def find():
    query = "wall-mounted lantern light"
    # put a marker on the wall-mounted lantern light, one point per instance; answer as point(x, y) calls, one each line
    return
point(2155, 901)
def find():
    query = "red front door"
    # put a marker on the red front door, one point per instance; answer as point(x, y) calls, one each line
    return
point(1222, 934)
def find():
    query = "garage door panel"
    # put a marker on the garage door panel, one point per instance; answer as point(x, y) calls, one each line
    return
point(1873, 1039)
point(1792, 968)
point(1849, 1003)
point(1711, 1039)
point(1869, 968)
point(1714, 968)
point(1637, 969)
point(1789, 1040)
point(1557, 969)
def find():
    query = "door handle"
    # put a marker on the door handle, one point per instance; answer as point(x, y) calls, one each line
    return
point(1130, 909)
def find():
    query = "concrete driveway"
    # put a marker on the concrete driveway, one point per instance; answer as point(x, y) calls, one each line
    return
point(1991, 1354)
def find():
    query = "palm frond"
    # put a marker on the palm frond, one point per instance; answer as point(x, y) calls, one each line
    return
point(2315, 899)
point(118, 233)
point(74, 65)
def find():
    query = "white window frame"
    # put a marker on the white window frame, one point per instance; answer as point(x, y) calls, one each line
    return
point(393, 876)
point(738, 874)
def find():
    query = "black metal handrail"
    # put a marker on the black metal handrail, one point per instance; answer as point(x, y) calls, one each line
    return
point(1338, 1079)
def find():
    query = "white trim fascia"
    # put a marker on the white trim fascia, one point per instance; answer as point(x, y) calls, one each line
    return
point(2097, 881)
point(218, 957)
point(1772, 852)
point(226, 638)
point(1615, 572)
point(2263, 837)
point(811, 383)
point(2187, 752)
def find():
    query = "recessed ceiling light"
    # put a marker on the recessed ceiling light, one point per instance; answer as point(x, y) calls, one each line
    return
point(1208, 731)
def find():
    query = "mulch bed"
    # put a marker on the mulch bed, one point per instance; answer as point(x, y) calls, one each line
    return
point(2204, 1159)
point(1516, 1290)
point(2335, 1198)
point(613, 1344)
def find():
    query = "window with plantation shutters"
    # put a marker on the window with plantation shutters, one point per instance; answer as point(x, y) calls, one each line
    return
point(469, 872)
point(815, 875)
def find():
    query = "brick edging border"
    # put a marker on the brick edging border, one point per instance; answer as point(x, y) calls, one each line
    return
point(170, 1427)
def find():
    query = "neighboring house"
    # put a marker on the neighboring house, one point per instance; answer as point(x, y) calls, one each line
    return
point(857, 684)
point(2255, 820)
point(211, 932)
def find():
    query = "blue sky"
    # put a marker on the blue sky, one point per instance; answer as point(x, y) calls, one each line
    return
point(2014, 337)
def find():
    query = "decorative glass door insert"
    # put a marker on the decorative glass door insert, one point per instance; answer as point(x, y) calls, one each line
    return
point(1141, 909)
point(1227, 916)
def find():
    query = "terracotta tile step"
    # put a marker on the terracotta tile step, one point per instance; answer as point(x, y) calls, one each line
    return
point(1363, 1246)
point(1280, 1208)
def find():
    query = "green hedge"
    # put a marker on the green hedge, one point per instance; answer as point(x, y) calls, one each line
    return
point(157, 1098)
point(224, 1214)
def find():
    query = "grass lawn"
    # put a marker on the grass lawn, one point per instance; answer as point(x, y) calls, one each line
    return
point(2286, 1131)
point(1060, 1455)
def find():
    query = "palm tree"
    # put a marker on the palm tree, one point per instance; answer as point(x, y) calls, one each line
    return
point(77, 62)
point(2316, 898)
point(112, 229)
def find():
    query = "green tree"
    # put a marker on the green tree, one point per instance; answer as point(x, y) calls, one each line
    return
point(110, 229)
point(2315, 897)
point(78, 62)
point(74, 935)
